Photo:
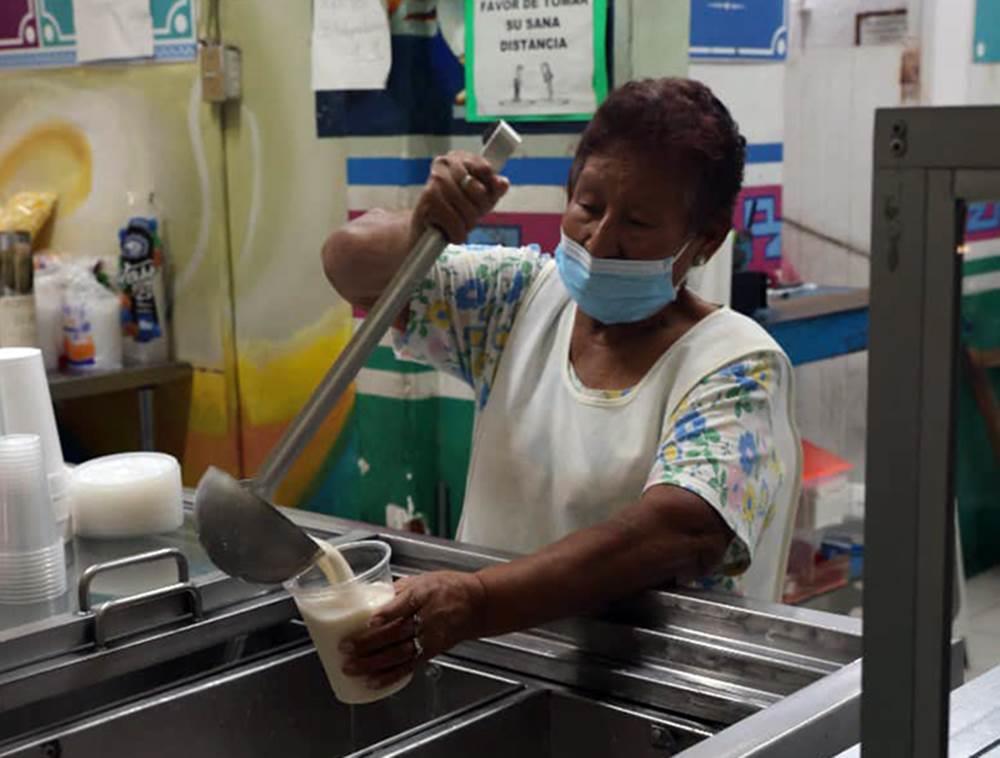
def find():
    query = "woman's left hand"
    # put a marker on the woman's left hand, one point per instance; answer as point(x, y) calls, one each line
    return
point(430, 614)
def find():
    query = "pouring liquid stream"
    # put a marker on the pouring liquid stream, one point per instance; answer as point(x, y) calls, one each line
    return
point(334, 567)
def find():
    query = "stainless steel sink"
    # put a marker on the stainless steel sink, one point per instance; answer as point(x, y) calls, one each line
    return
point(553, 724)
point(281, 708)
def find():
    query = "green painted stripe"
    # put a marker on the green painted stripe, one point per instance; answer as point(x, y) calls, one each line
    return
point(383, 359)
point(981, 266)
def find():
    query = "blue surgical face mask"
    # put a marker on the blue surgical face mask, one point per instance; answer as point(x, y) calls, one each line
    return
point(612, 290)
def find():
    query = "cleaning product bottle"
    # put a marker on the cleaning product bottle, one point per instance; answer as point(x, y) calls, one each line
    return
point(142, 280)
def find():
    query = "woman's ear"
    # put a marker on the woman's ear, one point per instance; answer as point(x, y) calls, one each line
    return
point(708, 244)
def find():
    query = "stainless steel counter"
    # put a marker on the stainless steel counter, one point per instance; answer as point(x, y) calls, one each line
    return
point(655, 675)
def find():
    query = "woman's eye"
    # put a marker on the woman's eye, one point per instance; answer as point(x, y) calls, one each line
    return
point(589, 208)
point(640, 223)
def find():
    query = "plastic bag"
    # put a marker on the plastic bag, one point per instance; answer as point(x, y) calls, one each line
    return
point(92, 330)
point(27, 212)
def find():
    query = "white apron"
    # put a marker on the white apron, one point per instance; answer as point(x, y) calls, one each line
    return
point(548, 460)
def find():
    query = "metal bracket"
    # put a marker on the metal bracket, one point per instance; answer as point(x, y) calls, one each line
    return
point(898, 144)
point(183, 586)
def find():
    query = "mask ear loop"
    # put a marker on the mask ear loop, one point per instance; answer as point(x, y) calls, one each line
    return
point(680, 253)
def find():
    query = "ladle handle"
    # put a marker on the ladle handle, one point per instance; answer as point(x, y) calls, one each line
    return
point(498, 148)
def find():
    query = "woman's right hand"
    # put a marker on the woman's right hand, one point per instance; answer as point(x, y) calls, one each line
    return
point(461, 189)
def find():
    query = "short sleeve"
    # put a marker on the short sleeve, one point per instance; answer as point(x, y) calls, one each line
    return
point(720, 445)
point(462, 313)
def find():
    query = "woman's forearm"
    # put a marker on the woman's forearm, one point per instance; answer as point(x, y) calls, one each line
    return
point(361, 257)
point(647, 545)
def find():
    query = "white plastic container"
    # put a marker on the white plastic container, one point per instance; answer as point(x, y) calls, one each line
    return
point(127, 495)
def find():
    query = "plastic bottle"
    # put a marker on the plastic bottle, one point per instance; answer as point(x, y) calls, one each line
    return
point(142, 280)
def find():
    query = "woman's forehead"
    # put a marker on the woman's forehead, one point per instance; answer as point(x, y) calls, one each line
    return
point(625, 173)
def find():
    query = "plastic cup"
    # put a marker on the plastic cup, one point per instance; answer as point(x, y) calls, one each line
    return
point(335, 611)
point(26, 407)
point(32, 562)
point(59, 492)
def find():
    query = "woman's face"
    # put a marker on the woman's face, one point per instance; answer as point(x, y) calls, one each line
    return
point(623, 207)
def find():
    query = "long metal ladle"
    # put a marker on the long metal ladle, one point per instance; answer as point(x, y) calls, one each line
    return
point(241, 531)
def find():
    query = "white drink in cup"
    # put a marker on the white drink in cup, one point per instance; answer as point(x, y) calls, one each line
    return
point(336, 597)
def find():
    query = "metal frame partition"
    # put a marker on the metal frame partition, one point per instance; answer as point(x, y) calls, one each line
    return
point(929, 162)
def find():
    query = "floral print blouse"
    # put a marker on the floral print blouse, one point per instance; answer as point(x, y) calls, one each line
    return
point(717, 443)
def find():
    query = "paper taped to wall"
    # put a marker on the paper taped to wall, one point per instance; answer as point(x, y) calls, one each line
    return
point(110, 29)
point(351, 49)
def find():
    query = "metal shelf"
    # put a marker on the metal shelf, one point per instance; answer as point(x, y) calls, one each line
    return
point(142, 380)
point(74, 386)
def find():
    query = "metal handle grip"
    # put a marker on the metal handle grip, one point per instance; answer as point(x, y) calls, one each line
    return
point(183, 572)
point(104, 609)
point(393, 299)
point(183, 586)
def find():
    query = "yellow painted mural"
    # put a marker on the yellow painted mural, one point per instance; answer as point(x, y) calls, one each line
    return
point(247, 194)
point(276, 379)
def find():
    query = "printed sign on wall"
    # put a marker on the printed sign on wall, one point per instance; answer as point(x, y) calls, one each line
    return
point(750, 29)
point(758, 211)
point(425, 92)
point(535, 58)
point(986, 48)
point(40, 33)
point(982, 222)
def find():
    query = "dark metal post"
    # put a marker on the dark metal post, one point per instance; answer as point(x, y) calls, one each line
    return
point(922, 157)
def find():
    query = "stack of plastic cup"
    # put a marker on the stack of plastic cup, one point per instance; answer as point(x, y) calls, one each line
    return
point(32, 565)
point(26, 408)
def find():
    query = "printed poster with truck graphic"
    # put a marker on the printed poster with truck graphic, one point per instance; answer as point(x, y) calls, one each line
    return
point(535, 59)
point(41, 33)
point(746, 30)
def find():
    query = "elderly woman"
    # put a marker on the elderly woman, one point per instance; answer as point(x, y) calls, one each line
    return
point(628, 434)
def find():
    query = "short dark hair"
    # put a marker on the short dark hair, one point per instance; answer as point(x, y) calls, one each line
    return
point(686, 127)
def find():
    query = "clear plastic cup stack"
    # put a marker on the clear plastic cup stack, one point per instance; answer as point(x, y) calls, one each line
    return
point(26, 408)
point(32, 564)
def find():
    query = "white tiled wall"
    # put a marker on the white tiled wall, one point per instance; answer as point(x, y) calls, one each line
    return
point(832, 91)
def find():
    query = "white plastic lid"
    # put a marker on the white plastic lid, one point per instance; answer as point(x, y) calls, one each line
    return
point(127, 495)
